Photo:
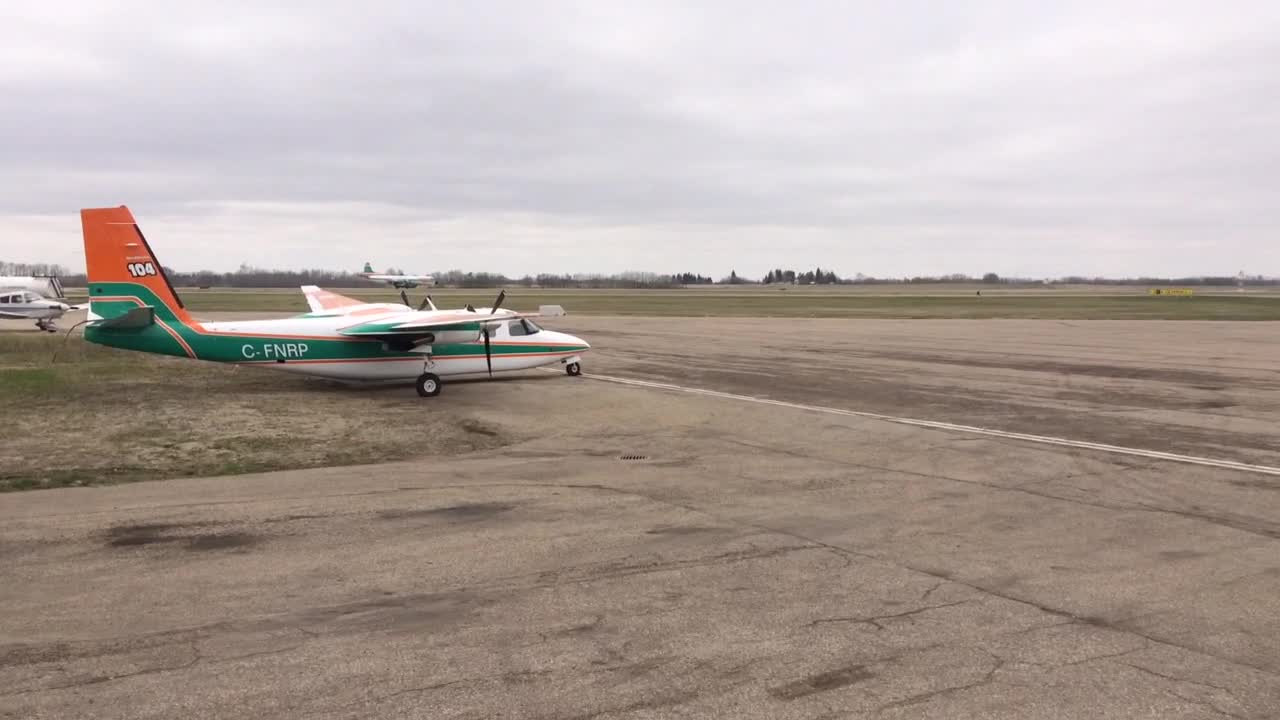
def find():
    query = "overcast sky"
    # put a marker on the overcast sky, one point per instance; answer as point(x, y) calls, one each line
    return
point(887, 138)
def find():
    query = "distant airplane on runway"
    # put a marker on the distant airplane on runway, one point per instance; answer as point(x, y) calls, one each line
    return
point(133, 306)
point(18, 304)
point(398, 281)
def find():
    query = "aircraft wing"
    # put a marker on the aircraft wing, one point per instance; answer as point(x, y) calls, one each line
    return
point(320, 300)
point(138, 317)
point(420, 324)
point(12, 316)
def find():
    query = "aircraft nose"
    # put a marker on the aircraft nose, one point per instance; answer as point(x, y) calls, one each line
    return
point(567, 339)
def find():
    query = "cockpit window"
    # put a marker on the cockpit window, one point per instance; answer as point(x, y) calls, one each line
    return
point(30, 297)
point(522, 327)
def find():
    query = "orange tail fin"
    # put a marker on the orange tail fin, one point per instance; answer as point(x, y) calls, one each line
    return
point(118, 256)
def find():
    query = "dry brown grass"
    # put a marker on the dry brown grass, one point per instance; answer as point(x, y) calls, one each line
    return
point(99, 415)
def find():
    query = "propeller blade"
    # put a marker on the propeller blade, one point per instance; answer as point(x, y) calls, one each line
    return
point(424, 304)
point(496, 303)
point(488, 356)
point(405, 298)
point(469, 308)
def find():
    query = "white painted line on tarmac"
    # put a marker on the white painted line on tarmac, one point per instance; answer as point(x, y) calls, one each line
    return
point(936, 425)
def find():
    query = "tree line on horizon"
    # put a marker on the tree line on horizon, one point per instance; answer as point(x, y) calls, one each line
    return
point(249, 276)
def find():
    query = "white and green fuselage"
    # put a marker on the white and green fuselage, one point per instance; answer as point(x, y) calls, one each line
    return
point(364, 342)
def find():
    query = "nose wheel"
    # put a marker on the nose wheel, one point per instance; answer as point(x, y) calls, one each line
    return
point(573, 369)
point(428, 385)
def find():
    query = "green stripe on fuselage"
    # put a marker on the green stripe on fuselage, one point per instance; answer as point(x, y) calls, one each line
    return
point(217, 347)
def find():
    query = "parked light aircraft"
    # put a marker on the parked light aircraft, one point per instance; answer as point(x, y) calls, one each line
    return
point(26, 305)
point(133, 306)
point(397, 281)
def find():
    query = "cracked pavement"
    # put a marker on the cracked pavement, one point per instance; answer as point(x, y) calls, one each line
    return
point(762, 562)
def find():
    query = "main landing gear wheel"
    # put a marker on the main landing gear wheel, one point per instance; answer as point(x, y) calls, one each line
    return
point(574, 369)
point(428, 385)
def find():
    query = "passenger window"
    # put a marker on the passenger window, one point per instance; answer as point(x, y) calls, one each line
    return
point(4, 299)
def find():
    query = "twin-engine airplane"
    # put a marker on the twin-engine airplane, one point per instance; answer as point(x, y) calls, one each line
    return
point(133, 306)
point(398, 281)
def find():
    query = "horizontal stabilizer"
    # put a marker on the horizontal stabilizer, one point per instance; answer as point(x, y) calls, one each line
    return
point(320, 300)
point(138, 317)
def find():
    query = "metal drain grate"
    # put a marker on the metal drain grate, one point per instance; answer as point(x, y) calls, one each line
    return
point(634, 457)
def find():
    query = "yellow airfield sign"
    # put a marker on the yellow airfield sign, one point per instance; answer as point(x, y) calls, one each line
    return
point(1182, 292)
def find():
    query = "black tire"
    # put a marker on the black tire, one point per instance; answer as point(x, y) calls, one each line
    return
point(428, 385)
point(573, 369)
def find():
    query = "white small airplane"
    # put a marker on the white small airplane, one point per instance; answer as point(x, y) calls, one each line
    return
point(398, 281)
point(133, 306)
point(26, 305)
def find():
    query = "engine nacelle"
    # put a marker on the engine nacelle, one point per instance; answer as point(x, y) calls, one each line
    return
point(449, 337)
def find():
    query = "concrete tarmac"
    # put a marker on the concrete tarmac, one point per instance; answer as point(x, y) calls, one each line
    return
point(644, 554)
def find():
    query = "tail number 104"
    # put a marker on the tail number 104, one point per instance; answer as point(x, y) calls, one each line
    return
point(141, 269)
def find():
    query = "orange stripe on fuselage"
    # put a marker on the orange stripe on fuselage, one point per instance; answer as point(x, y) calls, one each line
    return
point(423, 358)
point(438, 358)
point(190, 353)
point(165, 326)
point(543, 344)
point(228, 333)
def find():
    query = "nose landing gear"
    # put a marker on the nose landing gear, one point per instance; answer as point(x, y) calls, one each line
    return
point(573, 369)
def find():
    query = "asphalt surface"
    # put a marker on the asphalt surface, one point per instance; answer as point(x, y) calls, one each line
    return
point(744, 560)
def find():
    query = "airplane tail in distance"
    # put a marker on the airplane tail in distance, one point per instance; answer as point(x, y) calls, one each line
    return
point(368, 267)
point(123, 272)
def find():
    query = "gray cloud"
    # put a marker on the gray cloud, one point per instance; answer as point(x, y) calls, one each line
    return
point(1108, 138)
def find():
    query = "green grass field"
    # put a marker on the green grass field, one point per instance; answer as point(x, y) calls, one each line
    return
point(942, 303)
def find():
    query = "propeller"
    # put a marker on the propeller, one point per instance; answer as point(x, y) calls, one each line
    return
point(426, 303)
point(488, 355)
point(405, 298)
